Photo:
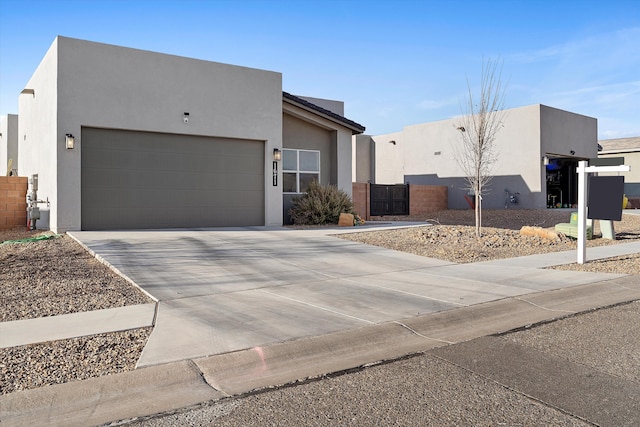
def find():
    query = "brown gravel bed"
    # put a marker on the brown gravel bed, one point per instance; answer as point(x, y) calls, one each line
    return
point(37, 365)
point(452, 237)
point(57, 276)
point(54, 277)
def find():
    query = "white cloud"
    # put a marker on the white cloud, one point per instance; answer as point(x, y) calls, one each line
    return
point(432, 104)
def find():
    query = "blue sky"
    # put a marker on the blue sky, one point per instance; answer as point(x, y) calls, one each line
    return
point(393, 63)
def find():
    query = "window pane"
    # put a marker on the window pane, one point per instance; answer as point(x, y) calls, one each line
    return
point(310, 161)
point(289, 160)
point(306, 179)
point(289, 184)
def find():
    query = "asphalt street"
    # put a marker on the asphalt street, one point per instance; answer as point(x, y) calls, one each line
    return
point(580, 371)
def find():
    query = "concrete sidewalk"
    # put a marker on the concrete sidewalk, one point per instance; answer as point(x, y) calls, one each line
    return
point(244, 309)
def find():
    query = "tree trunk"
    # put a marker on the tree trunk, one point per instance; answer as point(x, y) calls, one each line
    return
point(477, 213)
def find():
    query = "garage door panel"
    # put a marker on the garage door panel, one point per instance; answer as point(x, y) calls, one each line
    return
point(145, 180)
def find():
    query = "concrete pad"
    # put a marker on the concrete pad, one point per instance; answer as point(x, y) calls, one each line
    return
point(114, 397)
point(350, 298)
point(42, 329)
point(438, 285)
point(225, 290)
point(259, 367)
point(577, 389)
point(171, 264)
point(195, 327)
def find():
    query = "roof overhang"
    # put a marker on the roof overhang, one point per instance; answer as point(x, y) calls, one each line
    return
point(289, 101)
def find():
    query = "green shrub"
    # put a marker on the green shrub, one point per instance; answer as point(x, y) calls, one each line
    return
point(320, 205)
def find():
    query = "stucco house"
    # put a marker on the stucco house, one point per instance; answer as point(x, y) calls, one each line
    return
point(161, 141)
point(538, 149)
point(629, 149)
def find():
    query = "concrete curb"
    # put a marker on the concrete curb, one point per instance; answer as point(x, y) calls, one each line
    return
point(104, 399)
point(155, 389)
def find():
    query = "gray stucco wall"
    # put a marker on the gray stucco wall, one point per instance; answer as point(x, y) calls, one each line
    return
point(8, 142)
point(302, 130)
point(562, 132)
point(299, 134)
point(81, 83)
point(328, 104)
point(303, 135)
point(341, 154)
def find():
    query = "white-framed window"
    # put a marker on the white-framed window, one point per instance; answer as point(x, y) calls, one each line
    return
point(299, 169)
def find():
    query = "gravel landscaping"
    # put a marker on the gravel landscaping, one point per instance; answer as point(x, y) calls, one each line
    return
point(36, 365)
point(53, 277)
point(452, 237)
point(57, 276)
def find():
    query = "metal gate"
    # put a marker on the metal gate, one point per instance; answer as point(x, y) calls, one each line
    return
point(389, 199)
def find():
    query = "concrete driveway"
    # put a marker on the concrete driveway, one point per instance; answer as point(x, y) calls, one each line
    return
point(221, 290)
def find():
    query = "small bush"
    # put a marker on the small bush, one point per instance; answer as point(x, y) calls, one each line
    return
point(320, 205)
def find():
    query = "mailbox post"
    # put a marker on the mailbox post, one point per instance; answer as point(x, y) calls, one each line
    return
point(582, 171)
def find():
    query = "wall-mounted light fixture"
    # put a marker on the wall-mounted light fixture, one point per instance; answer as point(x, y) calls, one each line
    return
point(277, 156)
point(392, 142)
point(185, 118)
point(545, 160)
point(461, 129)
point(69, 141)
point(572, 152)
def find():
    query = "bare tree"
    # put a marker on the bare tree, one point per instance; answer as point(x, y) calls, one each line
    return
point(481, 120)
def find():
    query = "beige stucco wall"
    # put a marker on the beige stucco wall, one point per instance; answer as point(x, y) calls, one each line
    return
point(8, 142)
point(426, 154)
point(631, 178)
point(83, 83)
point(363, 158)
point(38, 133)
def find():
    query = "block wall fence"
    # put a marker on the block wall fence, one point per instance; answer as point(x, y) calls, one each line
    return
point(13, 203)
point(423, 199)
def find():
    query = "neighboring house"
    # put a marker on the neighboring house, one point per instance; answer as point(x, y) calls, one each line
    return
point(163, 141)
point(538, 149)
point(629, 149)
point(8, 144)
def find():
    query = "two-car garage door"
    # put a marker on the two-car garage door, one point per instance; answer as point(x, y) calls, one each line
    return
point(133, 180)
